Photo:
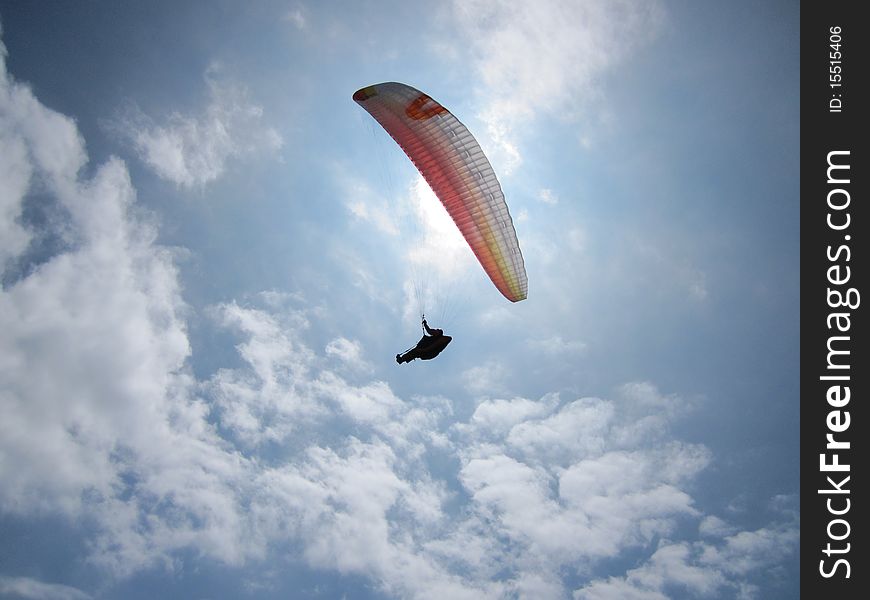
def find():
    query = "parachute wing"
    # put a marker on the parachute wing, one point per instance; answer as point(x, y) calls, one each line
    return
point(454, 166)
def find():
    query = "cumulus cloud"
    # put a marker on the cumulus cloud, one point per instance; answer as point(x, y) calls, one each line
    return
point(499, 416)
point(562, 482)
point(92, 336)
point(703, 569)
point(192, 150)
point(714, 526)
point(14, 176)
point(358, 511)
point(98, 414)
point(268, 401)
point(349, 352)
point(34, 140)
point(102, 420)
point(488, 378)
point(546, 57)
point(667, 566)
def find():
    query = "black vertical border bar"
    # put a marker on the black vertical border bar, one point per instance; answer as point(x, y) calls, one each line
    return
point(824, 131)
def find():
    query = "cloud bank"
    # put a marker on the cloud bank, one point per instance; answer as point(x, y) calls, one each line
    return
point(301, 448)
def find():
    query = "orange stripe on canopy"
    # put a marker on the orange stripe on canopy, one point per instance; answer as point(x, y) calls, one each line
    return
point(453, 164)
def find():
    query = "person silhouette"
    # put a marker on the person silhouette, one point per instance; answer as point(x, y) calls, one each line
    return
point(429, 346)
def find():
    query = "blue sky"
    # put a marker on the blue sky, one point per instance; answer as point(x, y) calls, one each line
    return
point(209, 260)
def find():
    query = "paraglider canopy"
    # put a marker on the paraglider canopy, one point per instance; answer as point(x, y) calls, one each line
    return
point(454, 166)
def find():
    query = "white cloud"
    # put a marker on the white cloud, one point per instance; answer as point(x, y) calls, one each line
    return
point(373, 403)
point(547, 56)
point(193, 150)
point(547, 196)
point(486, 379)
point(32, 589)
point(668, 566)
point(554, 482)
point(643, 397)
point(92, 337)
point(747, 551)
point(576, 431)
point(497, 417)
point(378, 215)
point(98, 414)
point(349, 352)
point(368, 206)
point(102, 421)
point(704, 569)
point(270, 400)
point(15, 173)
point(360, 511)
point(713, 526)
point(34, 141)
point(540, 499)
